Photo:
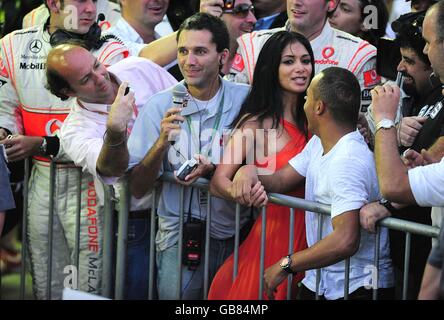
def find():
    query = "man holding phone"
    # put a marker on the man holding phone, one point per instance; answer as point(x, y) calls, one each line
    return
point(95, 132)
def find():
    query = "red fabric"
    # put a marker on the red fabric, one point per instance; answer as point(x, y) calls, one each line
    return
point(246, 284)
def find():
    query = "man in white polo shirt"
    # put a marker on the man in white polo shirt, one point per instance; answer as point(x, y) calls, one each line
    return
point(339, 170)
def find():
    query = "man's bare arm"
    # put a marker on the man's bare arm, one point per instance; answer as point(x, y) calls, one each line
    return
point(430, 283)
point(392, 173)
point(161, 51)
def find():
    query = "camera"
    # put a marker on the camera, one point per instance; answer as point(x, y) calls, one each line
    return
point(186, 168)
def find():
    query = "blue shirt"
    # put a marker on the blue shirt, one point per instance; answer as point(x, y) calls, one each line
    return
point(265, 22)
point(146, 131)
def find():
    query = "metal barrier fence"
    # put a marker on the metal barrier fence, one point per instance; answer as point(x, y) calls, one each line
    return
point(123, 202)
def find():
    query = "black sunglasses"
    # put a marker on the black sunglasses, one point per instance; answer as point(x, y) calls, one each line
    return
point(241, 10)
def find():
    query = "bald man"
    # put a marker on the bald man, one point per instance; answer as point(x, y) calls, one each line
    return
point(95, 132)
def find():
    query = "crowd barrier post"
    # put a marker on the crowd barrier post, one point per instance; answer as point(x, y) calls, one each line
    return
point(207, 248)
point(78, 218)
point(122, 240)
point(375, 282)
point(151, 267)
point(24, 230)
point(290, 251)
point(408, 240)
point(262, 253)
point(108, 240)
point(180, 244)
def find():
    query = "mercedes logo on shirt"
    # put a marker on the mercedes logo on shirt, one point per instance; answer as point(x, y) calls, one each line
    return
point(35, 46)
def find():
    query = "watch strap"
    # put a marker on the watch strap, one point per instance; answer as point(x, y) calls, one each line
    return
point(388, 205)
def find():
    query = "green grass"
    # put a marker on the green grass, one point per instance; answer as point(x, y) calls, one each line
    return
point(10, 287)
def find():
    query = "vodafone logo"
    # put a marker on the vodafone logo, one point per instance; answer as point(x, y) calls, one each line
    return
point(328, 52)
point(371, 78)
point(3, 71)
point(238, 63)
point(52, 126)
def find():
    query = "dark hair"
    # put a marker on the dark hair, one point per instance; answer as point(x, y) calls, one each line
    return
point(265, 97)
point(408, 30)
point(56, 83)
point(373, 35)
point(339, 89)
point(205, 21)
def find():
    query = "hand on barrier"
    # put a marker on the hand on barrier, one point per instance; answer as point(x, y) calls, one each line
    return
point(273, 276)
point(19, 147)
point(213, 7)
point(370, 214)
point(409, 129)
point(121, 110)
point(258, 196)
point(385, 100)
point(243, 181)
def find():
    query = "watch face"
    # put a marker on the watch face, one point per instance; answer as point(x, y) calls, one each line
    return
point(285, 262)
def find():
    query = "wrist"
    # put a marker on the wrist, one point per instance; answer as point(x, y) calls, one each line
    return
point(380, 116)
point(116, 129)
point(388, 205)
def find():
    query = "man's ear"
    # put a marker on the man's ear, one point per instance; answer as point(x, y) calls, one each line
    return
point(320, 107)
point(68, 92)
point(54, 5)
point(223, 57)
point(332, 5)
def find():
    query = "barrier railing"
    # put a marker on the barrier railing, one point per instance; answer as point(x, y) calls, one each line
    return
point(407, 227)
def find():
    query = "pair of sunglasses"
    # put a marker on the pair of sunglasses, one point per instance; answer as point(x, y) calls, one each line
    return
point(241, 10)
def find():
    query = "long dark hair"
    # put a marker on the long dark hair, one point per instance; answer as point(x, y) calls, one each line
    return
point(265, 98)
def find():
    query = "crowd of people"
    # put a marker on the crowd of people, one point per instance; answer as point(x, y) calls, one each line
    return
point(256, 96)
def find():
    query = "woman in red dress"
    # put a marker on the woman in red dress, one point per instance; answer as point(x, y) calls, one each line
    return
point(274, 119)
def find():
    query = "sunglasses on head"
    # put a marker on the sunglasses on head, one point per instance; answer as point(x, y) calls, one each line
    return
point(241, 10)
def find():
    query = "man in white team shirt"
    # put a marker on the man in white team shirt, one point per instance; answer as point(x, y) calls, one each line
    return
point(338, 170)
point(40, 14)
point(34, 116)
point(331, 47)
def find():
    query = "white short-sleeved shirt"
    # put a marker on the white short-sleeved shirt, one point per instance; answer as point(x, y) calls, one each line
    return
point(427, 184)
point(202, 118)
point(344, 178)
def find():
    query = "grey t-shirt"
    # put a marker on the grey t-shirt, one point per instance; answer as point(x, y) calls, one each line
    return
point(436, 258)
point(6, 198)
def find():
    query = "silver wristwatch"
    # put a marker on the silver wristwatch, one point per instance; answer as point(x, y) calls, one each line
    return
point(384, 124)
point(285, 264)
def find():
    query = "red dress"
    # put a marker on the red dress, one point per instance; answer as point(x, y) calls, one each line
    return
point(246, 284)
